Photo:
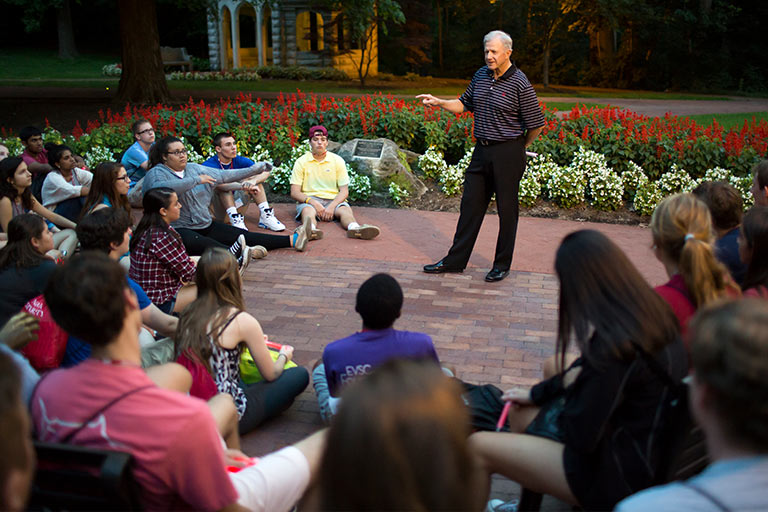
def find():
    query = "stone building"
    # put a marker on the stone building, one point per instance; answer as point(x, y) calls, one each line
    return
point(281, 33)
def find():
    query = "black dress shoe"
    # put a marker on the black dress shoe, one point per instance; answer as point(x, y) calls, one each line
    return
point(496, 274)
point(441, 268)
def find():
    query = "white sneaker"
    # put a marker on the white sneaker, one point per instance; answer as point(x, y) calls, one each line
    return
point(268, 220)
point(364, 232)
point(502, 506)
point(258, 252)
point(238, 221)
point(244, 260)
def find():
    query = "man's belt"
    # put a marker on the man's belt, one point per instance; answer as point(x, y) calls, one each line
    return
point(487, 142)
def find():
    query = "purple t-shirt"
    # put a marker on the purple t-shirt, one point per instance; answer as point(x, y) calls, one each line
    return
point(360, 353)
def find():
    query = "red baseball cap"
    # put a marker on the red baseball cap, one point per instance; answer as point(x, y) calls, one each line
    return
point(317, 128)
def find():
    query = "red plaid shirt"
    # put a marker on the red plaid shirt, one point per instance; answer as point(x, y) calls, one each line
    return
point(161, 269)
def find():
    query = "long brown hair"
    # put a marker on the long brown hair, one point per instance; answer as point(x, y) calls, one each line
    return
point(19, 249)
point(605, 303)
point(153, 200)
point(8, 167)
point(103, 184)
point(755, 232)
point(399, 442)
point(219, 289)
point(682, 229)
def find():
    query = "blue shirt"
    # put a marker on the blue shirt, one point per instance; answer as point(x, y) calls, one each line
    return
point(239, 162)
point(132, 159)
point(78, 351)
point(727, 251)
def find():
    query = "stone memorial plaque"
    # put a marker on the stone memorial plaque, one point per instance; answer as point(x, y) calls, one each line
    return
point(368, 148)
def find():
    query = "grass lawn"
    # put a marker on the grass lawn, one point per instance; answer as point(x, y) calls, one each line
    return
point(45, 64)
point(729, 120)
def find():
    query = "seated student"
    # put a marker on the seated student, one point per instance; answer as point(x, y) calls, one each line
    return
point(760, 183)
point(159, 260)
point(17, 465)
point(108, 231)
point(379, 303)
point(608, 399)
point(245, 193)
point(682, 241)
point(728, 395)
point(726, 207)
point(212, 331)
point(4, 152)
point(36, 158)
point(66, 186)
point(24, 268)
point(16, 198)
point(399, 442)
point(136, 158)
point(753, 247)
point(19, 330)
point(195, 186)
point(320, 184)
point(177, 453)
point(109, 187)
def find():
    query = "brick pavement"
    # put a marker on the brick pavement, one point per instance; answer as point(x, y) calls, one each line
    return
point(492, 332)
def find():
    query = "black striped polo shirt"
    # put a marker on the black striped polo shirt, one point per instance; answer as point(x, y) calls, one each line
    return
point(505, 108)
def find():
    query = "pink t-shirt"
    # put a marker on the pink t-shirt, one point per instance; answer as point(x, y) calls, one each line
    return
point(679, 298)
point(178, 457)
point(40, 158)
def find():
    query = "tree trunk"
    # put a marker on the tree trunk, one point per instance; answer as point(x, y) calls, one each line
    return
point(67, 48)
point(143, 78)
point(545, 62)
point(439, 36)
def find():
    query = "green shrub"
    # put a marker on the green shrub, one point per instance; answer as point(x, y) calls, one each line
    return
point(566, 187)
point(530, 189)
point(606, 190)
point(399, 195)
point(674, 181)
point(431, 163)
point(647, 197)
point(632, 178)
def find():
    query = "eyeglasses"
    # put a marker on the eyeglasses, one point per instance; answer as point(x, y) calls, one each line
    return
point(124, 177)
point(142, 132)
point(177, 153)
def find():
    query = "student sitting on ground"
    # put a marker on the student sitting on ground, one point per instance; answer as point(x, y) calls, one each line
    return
point(729, 343)
point(320, 183)
point(399, 442)
point(66, 186)
point(36, 158)
point(753, 246)
point(682, 241)
point(212, 332)
point(16, 198)
point(24, 267)
point(108, 231)
point(108, 188)
point(233, 204)
point(725, 205)
point(379, 303)
point(760, 183)
point(195, 186)
point(178, 458)
point(17, 465)
point(136, 158)
point(159, 260)
point(589, 435)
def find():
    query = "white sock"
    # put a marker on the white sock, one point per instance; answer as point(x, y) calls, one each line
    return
point(353, 225)
point(231, 211)
point(263, 206)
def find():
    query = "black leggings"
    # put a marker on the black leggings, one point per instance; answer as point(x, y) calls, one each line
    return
point(223, 235)
point(268, 399)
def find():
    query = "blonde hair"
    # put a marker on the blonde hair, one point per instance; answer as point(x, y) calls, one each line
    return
point(682, 229)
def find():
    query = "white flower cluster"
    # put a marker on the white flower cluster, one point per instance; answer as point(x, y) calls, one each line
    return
point(192, 155)
point(280, 179)
point(541, 168)
point(359, 186)
point(566, 187)
point(647, 197)
point(530, 189)
point(744, 185)
point(632, 178)
point(398, 194)
point(451, 178)
point(588, 162)
point(96, 155)
point(112, 70)
point(606, 189)
point(432, 163)
point(716, 174)
point(674, 181)
point(260, 154)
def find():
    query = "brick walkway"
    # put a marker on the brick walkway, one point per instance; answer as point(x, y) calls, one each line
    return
point(492, 332)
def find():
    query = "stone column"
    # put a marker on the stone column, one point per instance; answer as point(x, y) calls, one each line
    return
point(235, 23)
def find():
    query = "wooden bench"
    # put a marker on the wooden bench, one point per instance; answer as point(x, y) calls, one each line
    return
point(71, 477)
point(176, 57)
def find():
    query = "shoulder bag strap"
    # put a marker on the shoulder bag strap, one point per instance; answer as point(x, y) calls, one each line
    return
point(66, 439)
point(655, 366)
point(715, 501)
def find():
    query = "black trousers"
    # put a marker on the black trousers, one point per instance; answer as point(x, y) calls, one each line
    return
point(218, 234)
point(493, 169)
point(266, 400)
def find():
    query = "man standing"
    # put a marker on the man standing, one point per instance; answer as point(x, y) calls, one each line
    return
point(136, 158)
point(507, 119)
point(320, 183)
point(242, 194)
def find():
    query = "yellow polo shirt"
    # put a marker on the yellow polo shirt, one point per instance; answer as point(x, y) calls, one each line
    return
point(320, 179)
